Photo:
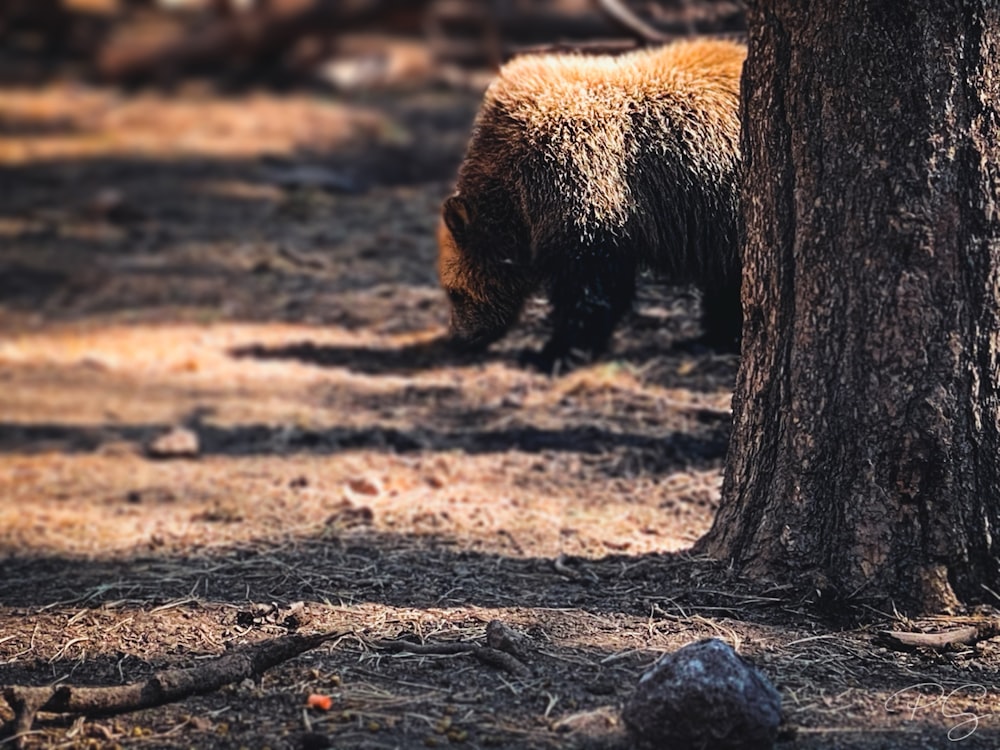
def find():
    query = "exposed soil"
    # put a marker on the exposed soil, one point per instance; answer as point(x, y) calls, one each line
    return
point(166, 262)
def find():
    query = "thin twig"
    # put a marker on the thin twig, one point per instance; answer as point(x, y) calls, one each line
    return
point(500, 653)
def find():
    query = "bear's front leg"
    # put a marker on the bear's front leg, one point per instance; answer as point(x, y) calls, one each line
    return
point(588, 300)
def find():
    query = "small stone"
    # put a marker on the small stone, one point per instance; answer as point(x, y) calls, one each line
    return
point(364, 486)
point(704, 695)
point(314, 741)
point(110, 204)
point(503, 638)
point(179, 442)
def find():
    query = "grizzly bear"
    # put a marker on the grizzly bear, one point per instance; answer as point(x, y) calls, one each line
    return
point(580, 171)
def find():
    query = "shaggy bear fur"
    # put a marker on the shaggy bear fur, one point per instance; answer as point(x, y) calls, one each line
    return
point(582, 170)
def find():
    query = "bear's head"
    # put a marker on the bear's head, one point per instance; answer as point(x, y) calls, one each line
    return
point(484, 271)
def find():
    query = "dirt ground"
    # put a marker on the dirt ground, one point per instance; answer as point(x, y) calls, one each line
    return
point(175, 261)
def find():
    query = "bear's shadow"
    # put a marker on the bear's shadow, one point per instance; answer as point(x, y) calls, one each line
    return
point(402, 360)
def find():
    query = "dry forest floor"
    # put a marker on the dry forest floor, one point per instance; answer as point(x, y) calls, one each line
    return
point(256, 271)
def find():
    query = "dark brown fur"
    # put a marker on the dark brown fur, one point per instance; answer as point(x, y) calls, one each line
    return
point(581, 170)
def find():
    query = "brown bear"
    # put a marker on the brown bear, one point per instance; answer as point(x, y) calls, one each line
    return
point(580, 171)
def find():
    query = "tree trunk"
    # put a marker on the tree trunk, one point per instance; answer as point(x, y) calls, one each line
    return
point(865, 456)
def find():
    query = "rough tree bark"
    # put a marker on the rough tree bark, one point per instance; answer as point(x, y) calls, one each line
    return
point(865, 456)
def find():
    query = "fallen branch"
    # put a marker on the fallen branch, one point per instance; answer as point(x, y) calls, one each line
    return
point(966, 635)
point(167, 686)
point(498, 636)
point(590, 47)
point(630, 22)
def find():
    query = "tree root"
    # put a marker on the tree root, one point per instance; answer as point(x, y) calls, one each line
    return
point(505, 646)
point(167, 686)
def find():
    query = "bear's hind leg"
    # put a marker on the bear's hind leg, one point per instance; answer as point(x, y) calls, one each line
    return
point(588, 300)
point(722, 317)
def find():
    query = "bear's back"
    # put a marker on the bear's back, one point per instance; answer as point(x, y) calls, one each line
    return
point(582, 143)
point(537, 91)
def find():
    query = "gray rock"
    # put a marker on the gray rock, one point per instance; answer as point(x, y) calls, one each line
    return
point(704, 696)
point(178, 442)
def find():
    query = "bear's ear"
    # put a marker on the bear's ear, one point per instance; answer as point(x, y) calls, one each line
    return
point(456, 215)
